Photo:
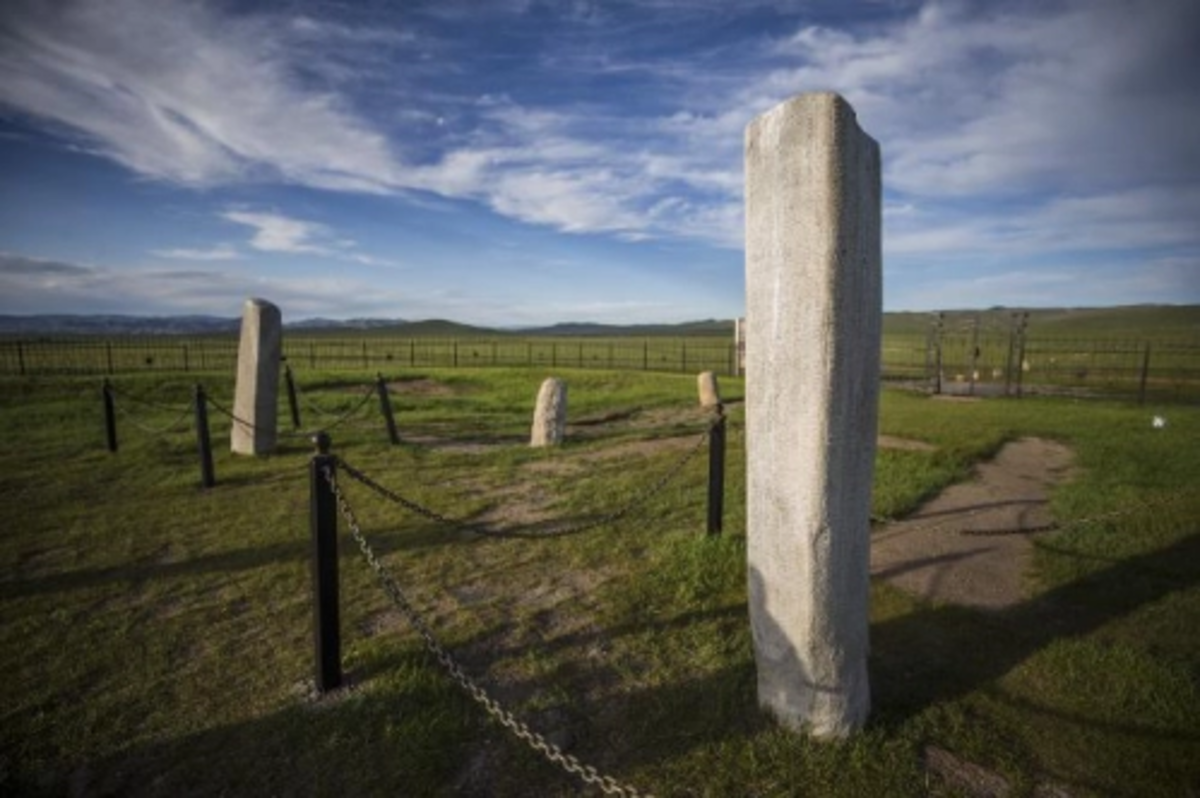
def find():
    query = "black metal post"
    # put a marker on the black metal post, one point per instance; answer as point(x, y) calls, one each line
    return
point(716, 473)
point(1145, 376)
point(1021, 353)
point(323, 524)
point(1012, 346)
point(203, 441)
point(21, 356)
point(385, 405)
point(110, 416)
point(974, 355)
point(108, 356)
point(290, 383)
point(938, 366)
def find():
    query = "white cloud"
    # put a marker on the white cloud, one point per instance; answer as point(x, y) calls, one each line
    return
point(274, 232)
point(58, 287)
point(180, 92)
point(219, 252)
point(1079, 117)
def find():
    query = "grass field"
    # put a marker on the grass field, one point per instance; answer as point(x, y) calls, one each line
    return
point(157, 637)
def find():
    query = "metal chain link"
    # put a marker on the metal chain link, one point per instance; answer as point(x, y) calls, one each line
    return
point(537, 742)
point(156, 431)
point(300, 395)
point(585, 526)
point(249, 426)
point(141, 400)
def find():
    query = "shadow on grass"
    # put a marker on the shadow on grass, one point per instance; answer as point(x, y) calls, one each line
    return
point(945, 652)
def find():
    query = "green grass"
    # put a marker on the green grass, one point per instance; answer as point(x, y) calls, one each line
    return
point(157, 637)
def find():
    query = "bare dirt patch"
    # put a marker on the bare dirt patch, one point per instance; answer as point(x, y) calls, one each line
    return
point(422, 386)
point(928, 553)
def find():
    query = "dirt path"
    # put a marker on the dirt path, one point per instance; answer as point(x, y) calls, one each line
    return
point(928, 555)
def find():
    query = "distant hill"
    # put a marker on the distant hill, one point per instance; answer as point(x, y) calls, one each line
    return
point(65, 324)
point(1134, 322)
point(706, 327)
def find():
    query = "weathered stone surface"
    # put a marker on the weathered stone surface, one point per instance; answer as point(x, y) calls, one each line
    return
point(550, 416)
point(256, 397)
point(706, 386)
point(813, 315)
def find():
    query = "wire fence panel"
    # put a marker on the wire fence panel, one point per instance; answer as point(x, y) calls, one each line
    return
point(974, 356)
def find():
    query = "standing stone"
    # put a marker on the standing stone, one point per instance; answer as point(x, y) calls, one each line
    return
point(256, 397)
point(550, 416)
point(706, 386)
point(739, 346)
point(813, 319)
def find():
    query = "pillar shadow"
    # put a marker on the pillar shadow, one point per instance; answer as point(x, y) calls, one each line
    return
point(944, 652)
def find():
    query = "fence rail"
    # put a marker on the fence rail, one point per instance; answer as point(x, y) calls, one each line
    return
point(986, 360)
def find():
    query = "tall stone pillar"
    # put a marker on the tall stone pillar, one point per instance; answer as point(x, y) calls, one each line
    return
point(813, 319)
point(256, 396)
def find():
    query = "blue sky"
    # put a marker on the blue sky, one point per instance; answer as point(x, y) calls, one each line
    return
point(521, 162)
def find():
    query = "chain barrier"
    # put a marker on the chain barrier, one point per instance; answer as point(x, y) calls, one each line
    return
point(178, 423)
point(141, 400)
point(537, 742)
point(237, 420)
point(586, 526)
point(303, 399)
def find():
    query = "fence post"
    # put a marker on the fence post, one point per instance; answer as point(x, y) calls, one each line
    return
point(1145, 375)
point(645, 355)
point(290, 385)
point(1021, 353)
point(974, 354)
point(1008, 363)
point(203, 442)
point(110, 416)
point(21, 356)
point(937, 354)
point(385, 405)
point(185, 359)
point(454, 344)
point(323, 524)
point(108, 356)
point(716, 473)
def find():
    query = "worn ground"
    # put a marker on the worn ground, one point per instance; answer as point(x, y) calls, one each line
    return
point(971, 544)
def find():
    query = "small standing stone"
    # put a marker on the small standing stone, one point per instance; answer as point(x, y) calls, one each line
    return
point(550, 416)
point(710, 393)
point(256, 397)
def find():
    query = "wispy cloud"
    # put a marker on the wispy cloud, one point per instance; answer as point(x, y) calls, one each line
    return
point(60, 287)
point(1005, 127)
point(219, 252)
point(275, 232)
point(181, 92)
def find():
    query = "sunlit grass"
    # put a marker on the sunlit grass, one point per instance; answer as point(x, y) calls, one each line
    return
point(157, 638)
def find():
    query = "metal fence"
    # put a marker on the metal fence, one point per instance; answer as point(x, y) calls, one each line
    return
point(110, 356)
point(971, 358)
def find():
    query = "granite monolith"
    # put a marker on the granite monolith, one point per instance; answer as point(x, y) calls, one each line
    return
point(256, 395)
point(708, 390)
point(813, 317)
point(550, 415)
